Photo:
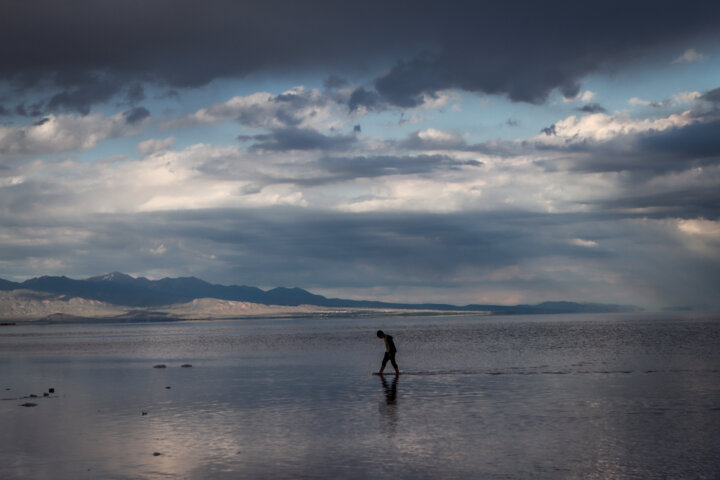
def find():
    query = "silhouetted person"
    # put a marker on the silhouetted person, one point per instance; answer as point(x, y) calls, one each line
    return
point(390, 351)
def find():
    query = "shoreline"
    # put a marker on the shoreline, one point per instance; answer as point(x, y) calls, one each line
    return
point(152, 317)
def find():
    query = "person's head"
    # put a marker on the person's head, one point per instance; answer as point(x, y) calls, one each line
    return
point(380, 334)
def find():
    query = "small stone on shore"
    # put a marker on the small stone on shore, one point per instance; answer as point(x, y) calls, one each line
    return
point(156, 454)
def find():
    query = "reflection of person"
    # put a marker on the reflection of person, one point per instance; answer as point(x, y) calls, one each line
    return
point(390, 390)
point(390, 351)
point(388, 408)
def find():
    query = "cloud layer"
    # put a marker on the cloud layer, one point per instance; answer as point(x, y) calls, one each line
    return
point(518, 49)
point(452, 153)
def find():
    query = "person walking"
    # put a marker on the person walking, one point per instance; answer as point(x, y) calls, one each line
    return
point(390, 352)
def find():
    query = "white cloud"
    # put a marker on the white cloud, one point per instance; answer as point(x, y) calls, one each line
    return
point(682, 98)
point(687, 98)
point(159, 250)
point(200, 176)
point(639, 101)
point(416, 194)
point(585, 96)
point(297, 107)
point(579, 242)
point(154, 145)
point(432, 134)
point(12, 180)
point(701, 236)
point(690, 56)
point(603, 127)
point(700, 227)
point(62, 133)
point(207, 176)
point(439, 99)
point(433, 138)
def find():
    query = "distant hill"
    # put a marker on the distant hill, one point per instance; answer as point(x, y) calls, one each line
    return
point(120, 289)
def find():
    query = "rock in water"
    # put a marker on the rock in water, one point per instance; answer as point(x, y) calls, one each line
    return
point(186, 365)
point(28, 404)
point(162, 365)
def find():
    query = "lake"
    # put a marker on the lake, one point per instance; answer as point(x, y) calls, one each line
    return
point(486, 397)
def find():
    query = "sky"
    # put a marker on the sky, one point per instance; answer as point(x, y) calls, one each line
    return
point(457, 152)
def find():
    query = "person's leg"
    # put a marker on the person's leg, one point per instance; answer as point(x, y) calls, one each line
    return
point(394, 364)
point(385, 359)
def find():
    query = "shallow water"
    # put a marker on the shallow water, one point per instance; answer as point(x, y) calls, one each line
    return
point(591, 396)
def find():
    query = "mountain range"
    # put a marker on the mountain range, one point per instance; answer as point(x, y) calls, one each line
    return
point(124, 290)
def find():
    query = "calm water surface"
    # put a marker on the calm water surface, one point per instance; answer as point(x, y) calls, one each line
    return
point(593, 396)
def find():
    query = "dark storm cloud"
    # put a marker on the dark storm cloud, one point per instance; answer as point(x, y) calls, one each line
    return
point(41, 121)
point(454, 142)
point(135, 94)
point(334, 81)
point(592, 108)
point(551, 130)
point(290, 246)
point(678, 202)
point(136, 115)
point(314, 249)
point(712, 96)
point(329, 169)
point(696, 141)
point(519, 49)
point(320, 248)
point(34, 110)
point(298, 139)
point(379, 166)
point(82, 98)
point(550, 48)
point(182, 43)
point(369, 99)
